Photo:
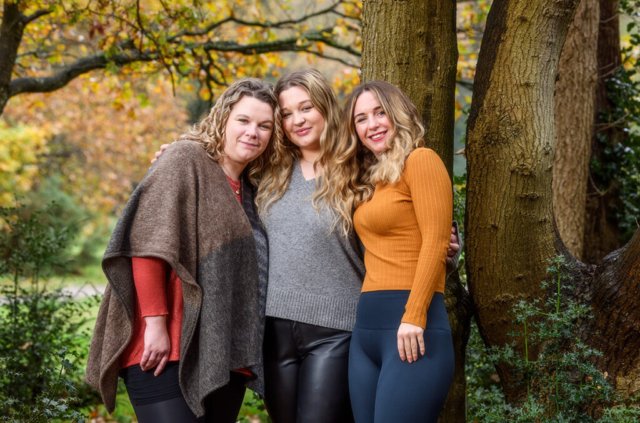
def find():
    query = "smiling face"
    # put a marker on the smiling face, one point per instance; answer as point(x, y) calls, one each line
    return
point(301, 120)
point(247, 131)
point(373, 126)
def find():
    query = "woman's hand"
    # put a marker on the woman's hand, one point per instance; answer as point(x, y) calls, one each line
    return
point(157, 345)
point(158, 153)
point(454, 244)
point(410, 342)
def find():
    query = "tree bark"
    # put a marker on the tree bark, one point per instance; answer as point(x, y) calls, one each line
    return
point(460, 310)
point(575, 115)
point(615, 329)
point(510, 234)
point(413, 44)
point(602, 233)
point(11, 31)
point(510, 136)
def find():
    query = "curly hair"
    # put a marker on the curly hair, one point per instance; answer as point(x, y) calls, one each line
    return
point(210, 131)
point(277, 174)
point(358, 170)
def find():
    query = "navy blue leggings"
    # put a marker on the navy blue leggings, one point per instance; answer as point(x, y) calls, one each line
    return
point(382, 387)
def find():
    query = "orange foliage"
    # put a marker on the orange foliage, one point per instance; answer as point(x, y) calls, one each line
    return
point(104, 132)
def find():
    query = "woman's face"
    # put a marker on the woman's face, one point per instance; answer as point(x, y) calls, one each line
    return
point(301, 120)
point(373, 126)
point(248, 130)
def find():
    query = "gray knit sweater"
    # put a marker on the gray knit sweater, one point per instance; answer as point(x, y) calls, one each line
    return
point(315, 275)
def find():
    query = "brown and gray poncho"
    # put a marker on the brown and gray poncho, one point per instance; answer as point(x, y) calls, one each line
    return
point(184, 213)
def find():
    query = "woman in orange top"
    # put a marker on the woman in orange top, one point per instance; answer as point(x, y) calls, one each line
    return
point(401, 356)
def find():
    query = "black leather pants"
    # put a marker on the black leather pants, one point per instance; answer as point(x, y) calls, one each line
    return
point(306, 373)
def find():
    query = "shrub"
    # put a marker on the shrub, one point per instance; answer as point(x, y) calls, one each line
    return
point(561, 383)
point(42, 340)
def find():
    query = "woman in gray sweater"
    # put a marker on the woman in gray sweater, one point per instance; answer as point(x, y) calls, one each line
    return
point(315, 272)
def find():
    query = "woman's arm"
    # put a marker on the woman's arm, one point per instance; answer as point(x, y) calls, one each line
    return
point(149, 276)
point(431, 194)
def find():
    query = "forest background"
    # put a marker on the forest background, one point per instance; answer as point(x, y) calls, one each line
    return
point(90, 89)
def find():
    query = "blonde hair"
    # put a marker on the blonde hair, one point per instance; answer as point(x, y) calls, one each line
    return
point(358, 170)
point(210, 131)
point(277, 174)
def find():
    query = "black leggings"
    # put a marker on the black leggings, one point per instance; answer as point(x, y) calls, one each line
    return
point(306, 373)
point(159, 399)
point(385, 389)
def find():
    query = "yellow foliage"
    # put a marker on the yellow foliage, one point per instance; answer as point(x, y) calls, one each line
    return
point(105, 137)
point(20, 151)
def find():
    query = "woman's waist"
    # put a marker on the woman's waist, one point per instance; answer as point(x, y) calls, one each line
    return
point(384, 310)
point(399, 282)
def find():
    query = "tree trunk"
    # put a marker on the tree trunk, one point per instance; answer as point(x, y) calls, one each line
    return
point(615, 329)
point(574, 116)
point(460, 310)
point(11, 30)
point(602, 233)
point(510, 234)
point(510, 136)
point(413, 45)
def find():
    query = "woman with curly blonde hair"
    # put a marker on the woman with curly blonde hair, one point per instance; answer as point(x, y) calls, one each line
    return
point(401, 355)
point(315, 274)
point(181, 320)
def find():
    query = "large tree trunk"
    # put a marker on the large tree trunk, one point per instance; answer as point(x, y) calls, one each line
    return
point(602, 233)
point(509, 219)
point(11, 30)
point(575, 115)
point(413, 45)
point(510, 135)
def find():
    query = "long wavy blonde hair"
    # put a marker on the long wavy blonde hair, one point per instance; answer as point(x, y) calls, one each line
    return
point(358, 170)
point(210, 131)
point(277, 174)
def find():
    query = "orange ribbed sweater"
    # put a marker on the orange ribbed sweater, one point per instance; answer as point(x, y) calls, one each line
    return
point(405, 228)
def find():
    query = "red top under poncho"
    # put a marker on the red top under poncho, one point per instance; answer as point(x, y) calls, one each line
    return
point(159, 293)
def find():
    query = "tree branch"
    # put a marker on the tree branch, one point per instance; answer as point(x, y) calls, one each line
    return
point(318, 37)
point(280, 24)
point(35, 15)
point(257, 24)
point(465, 83)
point(332, 58)
point(64, 76)
point(131, 55)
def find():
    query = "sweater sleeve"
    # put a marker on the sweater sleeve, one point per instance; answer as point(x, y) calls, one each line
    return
point(149, 277)
point(432, 198)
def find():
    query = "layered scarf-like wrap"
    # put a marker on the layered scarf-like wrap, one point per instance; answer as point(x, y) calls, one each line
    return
point(184, 212)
